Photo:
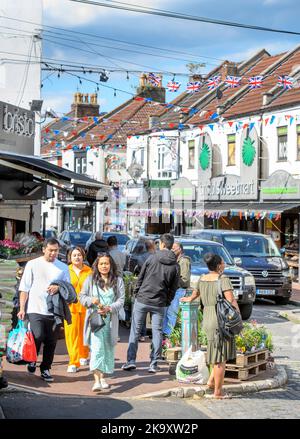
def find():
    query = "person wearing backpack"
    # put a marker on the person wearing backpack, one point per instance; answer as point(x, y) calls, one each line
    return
point(219, 350)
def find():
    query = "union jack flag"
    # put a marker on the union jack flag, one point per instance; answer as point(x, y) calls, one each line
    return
point(287, 82)
point(213, 82)
point(173, 86)
point(154, 79)
point(193, 86)
point(232, 81)
point(255, 82)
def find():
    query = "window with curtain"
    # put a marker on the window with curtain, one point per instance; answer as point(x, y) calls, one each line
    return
point(191, 148)
point(231, 149)
point(282, 136)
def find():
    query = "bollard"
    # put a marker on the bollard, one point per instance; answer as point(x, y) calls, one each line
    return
point(189, 325)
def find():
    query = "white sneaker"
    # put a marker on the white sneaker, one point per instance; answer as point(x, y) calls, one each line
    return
point(96, 387)
point(84, 361)
point(72, 369)
point(104, 384)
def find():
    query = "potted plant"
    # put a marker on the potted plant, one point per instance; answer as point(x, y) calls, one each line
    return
point(253, 337)
point(9, 249)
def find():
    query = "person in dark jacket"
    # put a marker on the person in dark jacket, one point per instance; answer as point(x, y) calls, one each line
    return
point(155, 289)
point(96, 247)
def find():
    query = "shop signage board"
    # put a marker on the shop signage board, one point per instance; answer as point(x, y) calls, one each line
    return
point(231, 187)
point(157, 184)
point(183, 190)
point(88, 193)
point(17, 129)
point(280, 186)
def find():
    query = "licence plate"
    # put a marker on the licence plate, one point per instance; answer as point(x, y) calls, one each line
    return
point(266, 292)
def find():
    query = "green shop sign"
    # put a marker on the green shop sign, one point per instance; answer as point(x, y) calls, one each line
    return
point(280, 190)
point(157, 184)
point(248, 151)
point(204, 157)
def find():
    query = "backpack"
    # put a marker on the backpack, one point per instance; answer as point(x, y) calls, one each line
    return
point(229, 319)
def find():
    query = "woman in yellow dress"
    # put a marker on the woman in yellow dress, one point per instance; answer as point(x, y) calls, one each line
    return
point(77, 351)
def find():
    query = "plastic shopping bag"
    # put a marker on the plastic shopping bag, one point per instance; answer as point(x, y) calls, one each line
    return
point(192, 368)
point(15, 342)
point(29, 349)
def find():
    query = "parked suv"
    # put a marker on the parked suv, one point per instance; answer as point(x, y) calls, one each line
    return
point(242, 281)
point(258, 254)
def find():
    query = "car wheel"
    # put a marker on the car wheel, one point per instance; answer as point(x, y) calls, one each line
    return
point(246, 310)
point(281, 300)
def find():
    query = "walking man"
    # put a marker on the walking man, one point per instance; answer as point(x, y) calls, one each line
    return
point(155, 289)
point(118, 257)
point(34, 288)
point(184, 263)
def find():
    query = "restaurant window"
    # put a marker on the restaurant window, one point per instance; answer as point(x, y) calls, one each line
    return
point(298, 142)
point(282, 143)
point(191, 147)
point(231, 149)
point(80, 163)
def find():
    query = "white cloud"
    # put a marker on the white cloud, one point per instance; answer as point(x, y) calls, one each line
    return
point(60, 104)
point(68, 13)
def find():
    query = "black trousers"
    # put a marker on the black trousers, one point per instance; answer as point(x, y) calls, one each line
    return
point(43, 332)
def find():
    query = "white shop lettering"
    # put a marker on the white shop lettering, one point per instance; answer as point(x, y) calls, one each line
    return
point(18, 123)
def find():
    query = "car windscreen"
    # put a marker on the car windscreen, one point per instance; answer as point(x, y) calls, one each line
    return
point(196, 252)
point(122, 239)
point(79, 237)
point(250, 245)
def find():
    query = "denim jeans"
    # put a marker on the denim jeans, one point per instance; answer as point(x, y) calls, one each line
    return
point(139, 314)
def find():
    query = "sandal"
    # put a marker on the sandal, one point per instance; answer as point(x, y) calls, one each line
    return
point(212, 396)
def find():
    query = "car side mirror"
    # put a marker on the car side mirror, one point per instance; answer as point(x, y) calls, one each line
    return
point(237, 261)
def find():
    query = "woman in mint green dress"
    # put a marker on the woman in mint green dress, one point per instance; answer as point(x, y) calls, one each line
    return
point(103, 291)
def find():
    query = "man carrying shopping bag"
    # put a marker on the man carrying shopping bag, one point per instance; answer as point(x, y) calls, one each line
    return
point(35, 286)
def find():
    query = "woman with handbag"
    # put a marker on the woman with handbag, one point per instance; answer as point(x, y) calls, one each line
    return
point(103, 295)
point(78, 353)
point(219, 350)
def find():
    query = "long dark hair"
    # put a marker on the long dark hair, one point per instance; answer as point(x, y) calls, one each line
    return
point(112, 275)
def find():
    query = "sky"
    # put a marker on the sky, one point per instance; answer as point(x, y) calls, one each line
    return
point(199, 42)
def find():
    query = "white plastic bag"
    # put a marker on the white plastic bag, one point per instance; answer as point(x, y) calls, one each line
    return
point(192, 368)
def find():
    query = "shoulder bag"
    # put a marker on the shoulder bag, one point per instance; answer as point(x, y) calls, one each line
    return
point(229, 319)
point(96, 320)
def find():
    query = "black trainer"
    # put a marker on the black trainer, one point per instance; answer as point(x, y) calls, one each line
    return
point(46, 376)
point(31, 367)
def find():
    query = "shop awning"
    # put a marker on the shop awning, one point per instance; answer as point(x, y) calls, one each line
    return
point(255, 207)
point(82, 187)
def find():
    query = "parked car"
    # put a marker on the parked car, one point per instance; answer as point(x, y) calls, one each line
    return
point(242, 281)
point(50, 233)
point(71, 238)
point(122, 239)
point(258, 254)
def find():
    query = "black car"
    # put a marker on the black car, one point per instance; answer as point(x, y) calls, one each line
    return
point(242, 281)
point(71, 238)
point(122, 239)
point(258, 254)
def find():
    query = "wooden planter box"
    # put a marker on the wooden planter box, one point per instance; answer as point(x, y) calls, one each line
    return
point(248, 365)
point(25, 257)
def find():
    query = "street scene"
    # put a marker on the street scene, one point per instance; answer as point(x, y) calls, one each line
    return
point(149, 211)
